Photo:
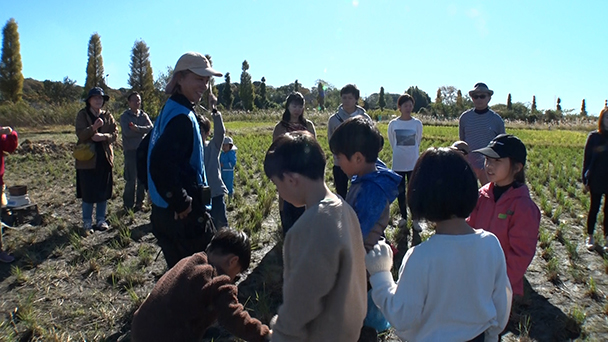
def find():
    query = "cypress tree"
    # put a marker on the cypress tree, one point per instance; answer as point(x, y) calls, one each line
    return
point(509, 103)
point(227, 96)
point(583, 108)
point(11, 78)
point(246, 91)
point(533, 109)
point(296, 86)
point(141, 78)
point(438, 98)
point(95, 72)
point(381, 100)
point(459, 100)
point(559, 106)
point(263, 101)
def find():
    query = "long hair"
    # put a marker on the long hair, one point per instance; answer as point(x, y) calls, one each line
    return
point(298, 98)
point(600, 122)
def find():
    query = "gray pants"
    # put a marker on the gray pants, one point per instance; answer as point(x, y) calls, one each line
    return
point(130, 175)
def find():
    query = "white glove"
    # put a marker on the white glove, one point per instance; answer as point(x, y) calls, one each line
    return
point(380, 258)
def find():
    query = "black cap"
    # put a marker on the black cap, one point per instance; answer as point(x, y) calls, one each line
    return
point(97, 91)
point(505, 146)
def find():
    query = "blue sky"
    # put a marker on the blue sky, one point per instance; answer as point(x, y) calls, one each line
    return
point(545, 48)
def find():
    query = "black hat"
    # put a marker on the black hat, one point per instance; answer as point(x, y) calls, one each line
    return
point(97, 91)
point(503, 146)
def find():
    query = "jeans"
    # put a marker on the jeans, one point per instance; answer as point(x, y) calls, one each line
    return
point(594, 208)
point(340, 181)
point(402, 197)
point(130, 174)
point(87, 213)
point(218, 212)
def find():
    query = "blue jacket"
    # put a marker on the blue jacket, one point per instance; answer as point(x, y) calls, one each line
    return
point(371, 196)
point(169, 112)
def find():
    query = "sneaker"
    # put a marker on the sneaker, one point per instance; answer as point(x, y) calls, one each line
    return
point(102, 226)
point(137, 207)
point(87, 229)
point(402, 223)
point(416, 226)
point(6, 258)
point(590, 243)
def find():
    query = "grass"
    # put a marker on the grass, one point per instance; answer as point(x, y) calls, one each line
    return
point(123, 266)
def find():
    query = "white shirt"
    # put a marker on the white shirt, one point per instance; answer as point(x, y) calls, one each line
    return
point(405, 137)
point(450, 288)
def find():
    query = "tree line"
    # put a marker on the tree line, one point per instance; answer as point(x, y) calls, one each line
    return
point(246, 95)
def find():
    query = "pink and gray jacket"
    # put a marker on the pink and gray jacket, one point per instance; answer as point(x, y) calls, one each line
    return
point(515, 220)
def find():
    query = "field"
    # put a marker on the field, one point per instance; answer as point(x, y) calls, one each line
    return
point(65, 287)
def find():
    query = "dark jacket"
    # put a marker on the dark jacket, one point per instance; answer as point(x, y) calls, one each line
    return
point(595, 162)
point(170, 161)
point(187, 300)
point(85, 131)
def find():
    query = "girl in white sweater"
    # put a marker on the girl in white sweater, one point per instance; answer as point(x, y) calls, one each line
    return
point(454, 286)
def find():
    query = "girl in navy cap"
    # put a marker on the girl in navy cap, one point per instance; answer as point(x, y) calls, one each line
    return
point(504, 206)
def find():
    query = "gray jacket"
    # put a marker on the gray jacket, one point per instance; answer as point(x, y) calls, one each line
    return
point(212, 157)
point(143, 125)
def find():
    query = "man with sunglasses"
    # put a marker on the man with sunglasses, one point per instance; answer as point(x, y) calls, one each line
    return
point(478, 126)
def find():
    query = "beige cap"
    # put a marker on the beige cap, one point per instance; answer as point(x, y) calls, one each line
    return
point(195, 62)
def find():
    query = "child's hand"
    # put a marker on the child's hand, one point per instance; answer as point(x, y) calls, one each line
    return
point(6, 130)
point(379, 259)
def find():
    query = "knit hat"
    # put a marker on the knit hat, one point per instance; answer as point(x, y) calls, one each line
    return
point(195, 62)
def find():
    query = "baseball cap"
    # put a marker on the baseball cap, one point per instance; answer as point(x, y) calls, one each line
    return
point(505, 146)
point(195, 62)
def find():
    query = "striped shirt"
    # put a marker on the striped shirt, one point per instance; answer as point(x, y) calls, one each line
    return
point(477, 130)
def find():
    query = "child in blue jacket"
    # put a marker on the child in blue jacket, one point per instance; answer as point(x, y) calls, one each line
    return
point(227, 163)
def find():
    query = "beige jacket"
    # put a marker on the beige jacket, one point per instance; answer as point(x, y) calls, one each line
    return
point(324, 285)
point(85, 131)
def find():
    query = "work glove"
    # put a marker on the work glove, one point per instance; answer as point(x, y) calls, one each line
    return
point(379, 259)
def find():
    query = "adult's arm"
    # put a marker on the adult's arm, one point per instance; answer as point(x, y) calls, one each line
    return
point(390, 131)
point(147, 127)
point(588, 156)
point(109, 128)
point(84, 131)
point(169, 155)
point(461, 130)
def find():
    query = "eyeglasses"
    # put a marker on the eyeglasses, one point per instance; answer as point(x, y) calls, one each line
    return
point(479, 97)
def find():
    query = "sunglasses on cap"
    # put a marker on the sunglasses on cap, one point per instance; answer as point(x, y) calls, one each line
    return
point(482, 96)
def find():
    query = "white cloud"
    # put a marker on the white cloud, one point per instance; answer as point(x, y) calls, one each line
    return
point(480, 21)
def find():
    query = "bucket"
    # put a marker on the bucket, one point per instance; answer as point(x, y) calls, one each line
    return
point(17, 190)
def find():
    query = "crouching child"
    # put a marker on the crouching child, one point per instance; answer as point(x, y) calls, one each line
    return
point(197, 292)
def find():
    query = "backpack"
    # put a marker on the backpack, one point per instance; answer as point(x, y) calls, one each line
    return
point(141, 157)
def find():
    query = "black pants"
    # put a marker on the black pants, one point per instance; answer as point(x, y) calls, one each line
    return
point(402, 197)
point(181, 238)
point(340, 181)
point(594, 208)
point(289, 215)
